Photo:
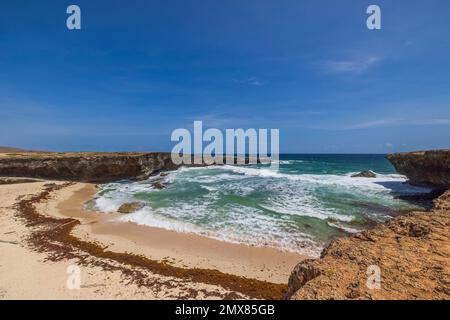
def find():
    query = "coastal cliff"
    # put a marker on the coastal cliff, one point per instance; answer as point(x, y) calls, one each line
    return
point(411, 252)
point(96, 167)
point(429, 168)
point(84, 167)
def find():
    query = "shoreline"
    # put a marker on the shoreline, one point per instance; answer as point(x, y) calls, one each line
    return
point(186, 250)
point(44, 232)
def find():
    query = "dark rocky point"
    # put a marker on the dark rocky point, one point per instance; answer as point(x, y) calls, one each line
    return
point(365, 174)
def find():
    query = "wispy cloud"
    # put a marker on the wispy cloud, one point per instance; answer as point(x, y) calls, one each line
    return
point(219, 120)
point(394, 122)
point(252, 81)
point(372, 123)
point(353, 66)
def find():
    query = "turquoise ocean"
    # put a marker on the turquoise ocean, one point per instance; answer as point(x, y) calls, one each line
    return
point(308, 201)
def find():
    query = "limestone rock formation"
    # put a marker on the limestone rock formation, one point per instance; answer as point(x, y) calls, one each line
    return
point(429, 168)
point(85, 167)
point(412, 253)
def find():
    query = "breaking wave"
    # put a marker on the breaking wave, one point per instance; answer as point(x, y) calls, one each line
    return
point(255, 205)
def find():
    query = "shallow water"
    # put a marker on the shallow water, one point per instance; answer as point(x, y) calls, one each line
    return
point(309, 200)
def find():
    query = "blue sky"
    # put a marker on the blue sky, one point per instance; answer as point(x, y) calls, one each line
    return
point(139, 69)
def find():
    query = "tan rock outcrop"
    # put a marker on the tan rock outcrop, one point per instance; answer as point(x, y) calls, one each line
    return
point(130, 207)
point(412, 253)
point(430, 168)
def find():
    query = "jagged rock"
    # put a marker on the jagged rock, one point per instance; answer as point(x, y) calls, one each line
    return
point(130, 207)
point(412, 253)
point(429, 168)
point(158, 185)
point(302, 273)
point(365, 174)
point(443, 202)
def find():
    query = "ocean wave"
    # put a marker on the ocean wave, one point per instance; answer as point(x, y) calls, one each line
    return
point(235, 203)
point(285, 162)
point(342, 227)
point(242, 232)
point(379, 183)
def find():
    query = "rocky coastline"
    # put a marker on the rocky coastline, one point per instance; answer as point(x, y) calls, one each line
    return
point(93, 167)
point(410, 254)
point(84, 167)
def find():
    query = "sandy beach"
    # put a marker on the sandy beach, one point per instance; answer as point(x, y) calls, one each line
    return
point(174, 265)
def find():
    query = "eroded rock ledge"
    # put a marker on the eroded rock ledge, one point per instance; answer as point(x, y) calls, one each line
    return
point(85, 167)
point(97, 167)
point(430, 168)
point(412, 251)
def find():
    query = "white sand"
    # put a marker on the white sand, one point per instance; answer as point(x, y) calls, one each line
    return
point(25, 275)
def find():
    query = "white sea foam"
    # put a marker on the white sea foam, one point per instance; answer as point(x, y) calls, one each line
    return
point(147, 217)
point(243, 231)
point(209, 188)
point(342, 227)
point(381, 182)
point(290, 161)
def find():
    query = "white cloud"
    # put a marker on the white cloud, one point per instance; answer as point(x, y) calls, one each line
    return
point(253, 81)
point(396, 122)
point(372, 123)
point(220, 120)
point(355, 66)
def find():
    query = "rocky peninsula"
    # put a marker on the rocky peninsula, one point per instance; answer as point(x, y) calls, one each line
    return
point(84, 166)
point(93, 167)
